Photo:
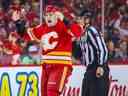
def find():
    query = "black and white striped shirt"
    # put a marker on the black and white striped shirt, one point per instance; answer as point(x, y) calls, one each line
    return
point(93, 47)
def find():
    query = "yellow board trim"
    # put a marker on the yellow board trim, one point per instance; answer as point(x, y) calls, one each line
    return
point(57, 62)
point(60, 53)
point(62, 82)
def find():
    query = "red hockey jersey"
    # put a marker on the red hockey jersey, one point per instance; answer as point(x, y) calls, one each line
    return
point(55, 41)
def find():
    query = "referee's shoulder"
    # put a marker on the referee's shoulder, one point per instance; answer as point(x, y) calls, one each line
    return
point(92, 29)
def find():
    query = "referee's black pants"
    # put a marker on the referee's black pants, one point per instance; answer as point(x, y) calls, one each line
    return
point(93, 86)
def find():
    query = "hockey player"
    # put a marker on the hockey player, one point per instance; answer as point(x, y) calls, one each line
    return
point(56, 43)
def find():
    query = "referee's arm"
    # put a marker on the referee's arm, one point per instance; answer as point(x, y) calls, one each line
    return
point(98, 42)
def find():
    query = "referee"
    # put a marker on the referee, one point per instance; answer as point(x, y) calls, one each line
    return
point(94, 56)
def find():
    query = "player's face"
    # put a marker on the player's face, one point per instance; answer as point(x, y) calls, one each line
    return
point(50, 19)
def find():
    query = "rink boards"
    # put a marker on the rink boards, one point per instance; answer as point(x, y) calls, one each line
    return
point(27, 80)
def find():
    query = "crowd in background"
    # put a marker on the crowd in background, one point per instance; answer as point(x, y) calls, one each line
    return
point(115, 33)
point(116, 24)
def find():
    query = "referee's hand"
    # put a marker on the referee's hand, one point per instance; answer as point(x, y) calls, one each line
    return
point(99, 72)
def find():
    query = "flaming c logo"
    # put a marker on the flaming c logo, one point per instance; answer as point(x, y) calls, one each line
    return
point(46, 41)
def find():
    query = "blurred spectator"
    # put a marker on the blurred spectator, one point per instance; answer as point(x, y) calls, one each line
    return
point(122, 26)
point(3, 33)
point(1, 13)
point(124, 49)
point(22, 44)
point(13, 37)
point(111, 50)
point(1, 48)
point(115, 36)
point(11, 27)
point(78, 7)
point(5, 4)
point(31, 16)
point(32, 55)
point(6, 57)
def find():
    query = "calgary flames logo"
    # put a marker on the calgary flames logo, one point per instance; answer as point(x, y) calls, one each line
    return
point(49, 41)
